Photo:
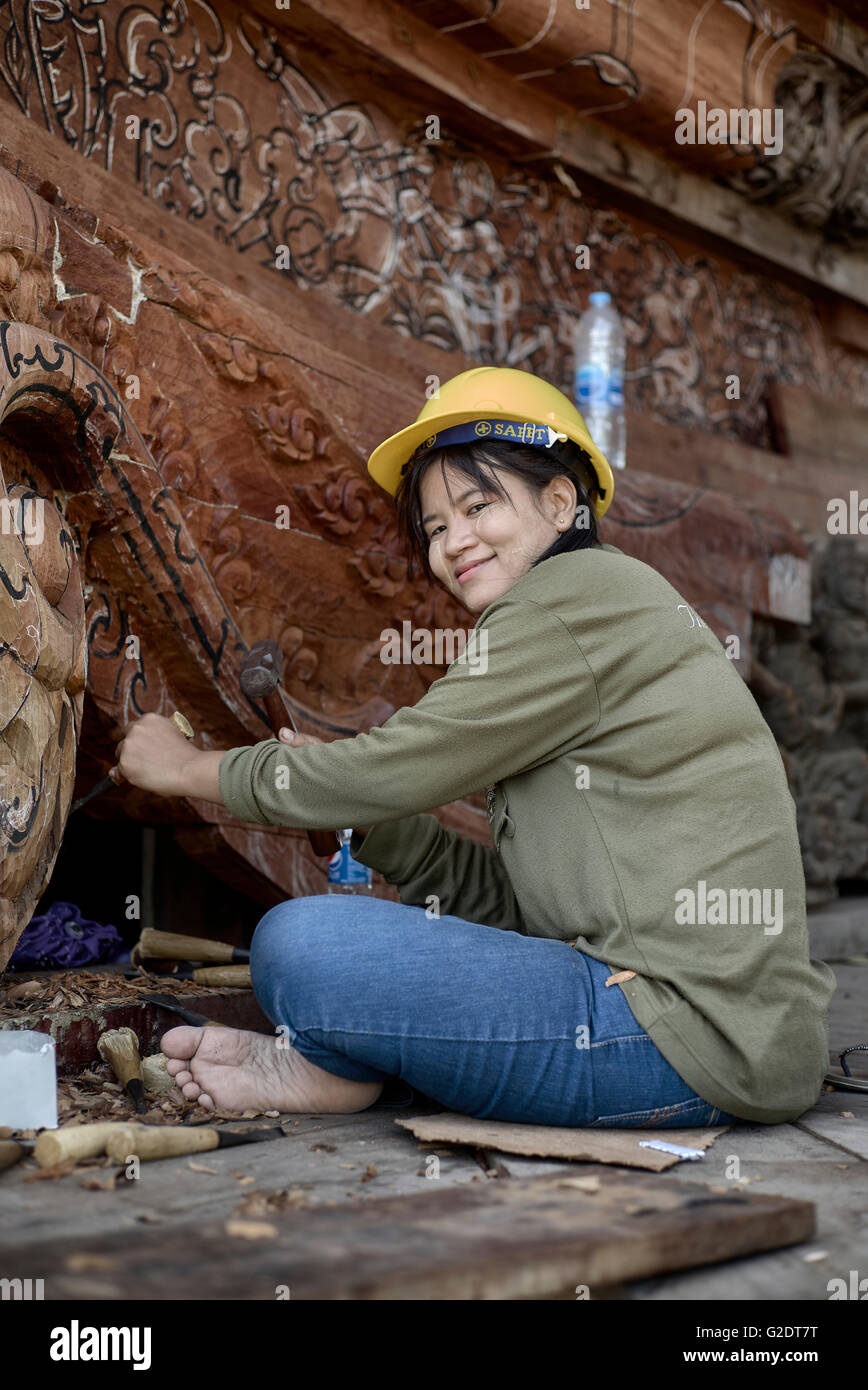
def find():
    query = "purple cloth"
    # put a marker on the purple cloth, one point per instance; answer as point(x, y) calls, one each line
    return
point(62, 937)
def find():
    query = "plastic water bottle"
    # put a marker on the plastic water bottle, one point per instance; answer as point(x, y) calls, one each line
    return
point(346, 874)
point(598, 385)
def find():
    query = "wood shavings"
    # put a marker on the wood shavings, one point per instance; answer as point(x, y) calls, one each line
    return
point(84, 1262)
point(56, 1170)
point(588, 1184)
point(105, 1184)
point(29, 989)
point(260, 1204)
point(370, 1172)
point(250, 1230)
point(202, 1168)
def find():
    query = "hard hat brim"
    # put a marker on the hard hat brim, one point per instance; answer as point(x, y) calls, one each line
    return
point(387, 460)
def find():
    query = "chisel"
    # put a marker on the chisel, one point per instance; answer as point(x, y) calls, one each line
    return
point(214, 976)
point(115, 776)
point(168, 945)
point(168, 1141)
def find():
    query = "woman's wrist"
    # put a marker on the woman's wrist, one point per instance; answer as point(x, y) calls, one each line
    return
point(199, 776)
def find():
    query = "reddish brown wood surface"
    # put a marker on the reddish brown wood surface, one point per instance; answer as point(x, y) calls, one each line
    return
point(172, 462)
point(170, 394)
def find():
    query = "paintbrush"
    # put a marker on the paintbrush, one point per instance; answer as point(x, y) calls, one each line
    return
point(120, 1048)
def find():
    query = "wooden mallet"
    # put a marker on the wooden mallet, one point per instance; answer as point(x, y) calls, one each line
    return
point(261, 672)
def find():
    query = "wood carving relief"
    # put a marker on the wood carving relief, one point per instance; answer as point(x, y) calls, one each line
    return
point(171, 493)
point(201, 458)
point(819, 176)
point(245, 130)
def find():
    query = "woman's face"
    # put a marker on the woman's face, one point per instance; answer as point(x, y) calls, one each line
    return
point(479, 546)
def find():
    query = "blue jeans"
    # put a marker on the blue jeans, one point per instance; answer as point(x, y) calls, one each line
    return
point(486, 1022)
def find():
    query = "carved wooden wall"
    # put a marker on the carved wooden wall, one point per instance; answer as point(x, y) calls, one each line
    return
point(170, 421)
point(168, 393)
point(247, 129)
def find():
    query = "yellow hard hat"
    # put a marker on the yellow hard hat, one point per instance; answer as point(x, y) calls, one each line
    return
point(495, 403)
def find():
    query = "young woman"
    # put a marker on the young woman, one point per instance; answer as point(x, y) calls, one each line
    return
point(633, 949)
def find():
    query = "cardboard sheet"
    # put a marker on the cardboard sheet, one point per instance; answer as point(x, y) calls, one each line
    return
point(552, 1141)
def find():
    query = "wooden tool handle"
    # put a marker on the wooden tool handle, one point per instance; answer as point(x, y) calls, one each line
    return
point(75, 1141)
point(181, 723)
point(322, 842)
point(216, 975)
point(169, 945)
point(158, 1141)
point(10, 1152)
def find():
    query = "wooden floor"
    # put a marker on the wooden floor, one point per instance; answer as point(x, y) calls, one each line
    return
point(327, 1161)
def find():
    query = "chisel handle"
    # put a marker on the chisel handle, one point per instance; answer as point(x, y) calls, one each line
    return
point(159, 1141)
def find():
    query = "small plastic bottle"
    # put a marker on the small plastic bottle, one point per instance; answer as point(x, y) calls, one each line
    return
point(346, 874)
point(598, 384)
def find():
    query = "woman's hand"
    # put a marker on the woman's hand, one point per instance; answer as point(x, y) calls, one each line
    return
point(297, 740)
point(153, 755)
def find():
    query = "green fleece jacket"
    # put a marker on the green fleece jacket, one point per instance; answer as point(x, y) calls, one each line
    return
point(639, 811)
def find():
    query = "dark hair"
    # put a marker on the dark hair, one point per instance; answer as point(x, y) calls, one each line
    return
point(480, 462)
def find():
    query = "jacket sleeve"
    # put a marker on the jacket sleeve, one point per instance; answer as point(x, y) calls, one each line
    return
point(520, 693)
point(436, 868)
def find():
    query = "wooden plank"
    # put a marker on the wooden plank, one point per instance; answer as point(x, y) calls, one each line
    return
point(841, 1117)
point(827, 432)
point(847, 324)
point(488, 1240)
point(322, 1161)
point(760, 479)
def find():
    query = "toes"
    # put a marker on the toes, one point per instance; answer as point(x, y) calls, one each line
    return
point(182, 1079)
point(206, 1101)
point(181, 1042)
point(174, 1066)
point(190, 1090)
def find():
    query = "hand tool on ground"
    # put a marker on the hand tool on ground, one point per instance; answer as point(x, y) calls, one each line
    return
point(168, 945)
point(215, 976)
point(196, 1020)
point(115, 775)
point(120, 1048)
point(73, 1141)
point(168, 1141)
point(10, 1152)
point(261, 673)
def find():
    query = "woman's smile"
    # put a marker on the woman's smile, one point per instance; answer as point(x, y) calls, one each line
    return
point(464, 574)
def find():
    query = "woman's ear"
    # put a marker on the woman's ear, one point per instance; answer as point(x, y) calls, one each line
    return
point(562, 496)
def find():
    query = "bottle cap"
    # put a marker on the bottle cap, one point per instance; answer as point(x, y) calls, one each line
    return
point(601, 297)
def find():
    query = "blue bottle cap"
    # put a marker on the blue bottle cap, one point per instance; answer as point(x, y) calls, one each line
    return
point(601, 297)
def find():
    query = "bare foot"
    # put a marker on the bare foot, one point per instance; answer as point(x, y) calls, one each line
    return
point(230, 1069)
